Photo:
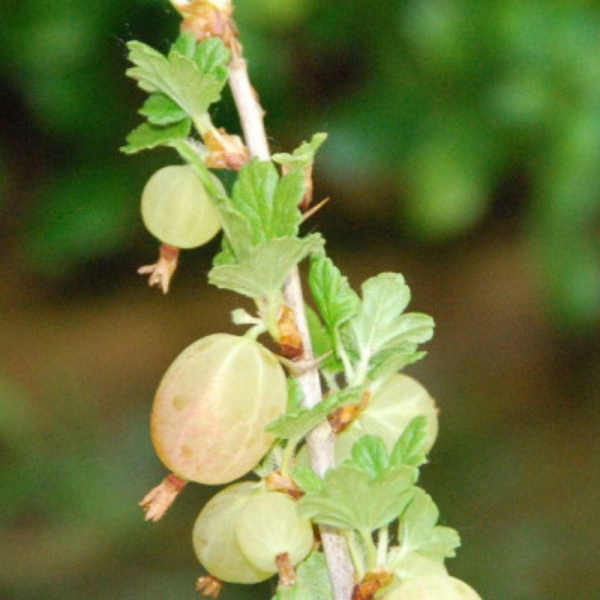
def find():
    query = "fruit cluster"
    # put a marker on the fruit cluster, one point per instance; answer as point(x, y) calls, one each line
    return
point(228, 406)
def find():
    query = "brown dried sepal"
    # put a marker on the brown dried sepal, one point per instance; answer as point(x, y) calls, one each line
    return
point(226, 151)
point(287, 573)
point(204, 20)
point(371, 583)
point(276, 482)
point(159, 499)
point(344, 416)
point(209, 586)
point(290, 341)
point(161, 272)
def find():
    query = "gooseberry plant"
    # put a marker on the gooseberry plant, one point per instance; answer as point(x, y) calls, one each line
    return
point(331, 432)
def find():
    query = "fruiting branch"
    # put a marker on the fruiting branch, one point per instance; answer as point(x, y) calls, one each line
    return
point(225, 406)
point(320, 441)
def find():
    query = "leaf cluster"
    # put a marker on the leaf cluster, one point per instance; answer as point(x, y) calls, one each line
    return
point(182, 87)
point(369, 490)
point(375, 489)
point(265, 246)
point(260, 218)
point(371, 336)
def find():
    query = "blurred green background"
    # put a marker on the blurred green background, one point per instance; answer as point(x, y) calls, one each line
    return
point(464, 151)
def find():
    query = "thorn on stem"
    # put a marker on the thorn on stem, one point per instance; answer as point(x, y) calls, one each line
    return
point(316, 208)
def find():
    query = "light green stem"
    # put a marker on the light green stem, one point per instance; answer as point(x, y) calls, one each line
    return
point(370, 549)
point(203, 124)
point(356, 554)
point(341, 352)
point(288, 455)
point(383, 539)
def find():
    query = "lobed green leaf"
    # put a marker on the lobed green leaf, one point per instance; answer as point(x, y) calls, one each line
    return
point(159, 109)
point(297, 424)
point(262, 272)
point(336, 300)
point(237, 242)
point(322, 344)
point(387, 362)
point(370, 454)
point(147, 136)
point(352, 499)
point(380, 335)
point(418, 530)
point(409, 449)
point(270, 204)
point(185, 44)
point(307, 479)
point(212, 58)
point(303, 156)
point(176, 76)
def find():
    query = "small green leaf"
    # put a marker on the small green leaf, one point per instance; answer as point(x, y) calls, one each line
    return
point(388, 362)
point(384, 299)
point(299, 423)
point(161, 110)
point(212, 58)
point(270, 204)
point(418, 530)
point(307, 479)
point(303, 156)
point(253, 195)
point(371, 455)
point(271, 461)
point(352, 499)
point(320, 339)
point(286, 218)
point(321, 343)
point(225, 256)
point(380, 335)
point(409, 449)
point(147, 136)
point(262, 272)
point(176, 76)
point(336, 300)
point(312, 581)
point(185, 44)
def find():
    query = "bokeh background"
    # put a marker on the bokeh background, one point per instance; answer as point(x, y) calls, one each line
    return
point(464, 152)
